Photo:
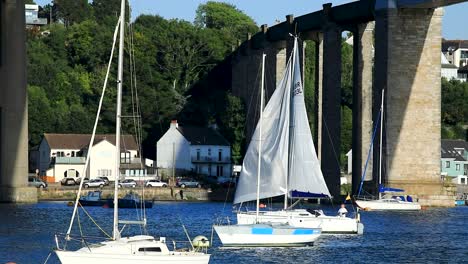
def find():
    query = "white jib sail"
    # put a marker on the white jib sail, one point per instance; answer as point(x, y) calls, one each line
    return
point(305, 174)
point(274, 156)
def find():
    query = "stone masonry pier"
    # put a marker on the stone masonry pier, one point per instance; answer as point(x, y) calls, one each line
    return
point(396, 48)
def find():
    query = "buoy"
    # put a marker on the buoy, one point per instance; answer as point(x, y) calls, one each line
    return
point(200, 242)
point(367, 209)
point(70, 203)
point(262, 205)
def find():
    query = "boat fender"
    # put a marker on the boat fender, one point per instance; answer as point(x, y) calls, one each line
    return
point(200, 242)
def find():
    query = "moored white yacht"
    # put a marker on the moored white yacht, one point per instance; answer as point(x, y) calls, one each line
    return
point(135, 249)
point(260, 233)
point(121, 250)
point(306, 218)
point(385, 202)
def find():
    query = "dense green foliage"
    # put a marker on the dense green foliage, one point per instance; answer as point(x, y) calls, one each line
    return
point(66, 71)
point(454, 109)
point(181, 74)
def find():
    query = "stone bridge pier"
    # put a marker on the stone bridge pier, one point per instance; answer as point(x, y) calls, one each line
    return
point(396, 48)
point(407, 66)
point(13, 105)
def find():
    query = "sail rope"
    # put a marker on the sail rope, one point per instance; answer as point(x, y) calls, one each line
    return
point(369, 151)
point(75, 208)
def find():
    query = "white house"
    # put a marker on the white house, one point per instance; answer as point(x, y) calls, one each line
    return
point(198, 149)
point(64, 155)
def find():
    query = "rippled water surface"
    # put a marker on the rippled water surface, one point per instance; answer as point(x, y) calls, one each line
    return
point(430, 236)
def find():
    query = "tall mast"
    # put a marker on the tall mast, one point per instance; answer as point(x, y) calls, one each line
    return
point(291, 125)
point(116, 234)
point(381, 130)
point(260, 137)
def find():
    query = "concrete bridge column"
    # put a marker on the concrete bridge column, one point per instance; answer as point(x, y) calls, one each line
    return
point(318, 40)
point(13, 105)
point(363, 56)
point(331, 104)
point(408, 44)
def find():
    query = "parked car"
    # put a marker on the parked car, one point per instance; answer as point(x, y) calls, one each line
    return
point(155, 183)
point(78, 180)
point(105, 179)
point(127, 183)
point(94, 183)
point(35, 182)
point(68, 182)
point(187, 182)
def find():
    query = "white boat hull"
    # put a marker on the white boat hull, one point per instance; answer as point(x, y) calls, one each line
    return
point(68, 257)
point(303, 218)
point(388, 205)
point(133, 250)
point(262, 235)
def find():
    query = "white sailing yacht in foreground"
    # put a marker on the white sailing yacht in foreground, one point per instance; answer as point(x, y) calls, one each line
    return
point(258, 232)
point(128, 250)
point(386, 202)
point(290, 166)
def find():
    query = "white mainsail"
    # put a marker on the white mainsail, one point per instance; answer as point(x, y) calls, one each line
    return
point(288, 158)
point(305, 176)
point(275, 148)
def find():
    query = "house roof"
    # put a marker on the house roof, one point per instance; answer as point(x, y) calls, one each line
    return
point(202, 136)
point(456, 44)
point(448, 149)
point(81, 141)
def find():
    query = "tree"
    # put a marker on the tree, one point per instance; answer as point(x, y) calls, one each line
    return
point(232, 127)
point(72, 11)
point(226, 18)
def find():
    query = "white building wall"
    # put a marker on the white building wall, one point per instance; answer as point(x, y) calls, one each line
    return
point(102, 160)
point(449, 73)
point(203, 154)
point(59, 170)
point(173, 145)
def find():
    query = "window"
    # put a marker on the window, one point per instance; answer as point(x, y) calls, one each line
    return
point(209, 152)
point(149, 249)
point(447, 164)
point(463, 181)
point(104, 172)
point(73, 153)
point(219, 171)
point(220, 155)
point(209, 169)
point(125, 157)
point(457, 167)
point(198, 154)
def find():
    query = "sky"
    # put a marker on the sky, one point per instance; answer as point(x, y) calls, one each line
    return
point(269, 11)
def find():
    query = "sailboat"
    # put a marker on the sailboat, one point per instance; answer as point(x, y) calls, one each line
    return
point(260, 233)
point(123, 250)
point(385, 201)
point(291, 165)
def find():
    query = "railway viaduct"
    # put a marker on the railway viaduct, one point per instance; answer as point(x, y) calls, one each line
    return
point(396, 47)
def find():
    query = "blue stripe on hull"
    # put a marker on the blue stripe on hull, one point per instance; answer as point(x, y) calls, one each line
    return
point(303, 232)
point(262, 231)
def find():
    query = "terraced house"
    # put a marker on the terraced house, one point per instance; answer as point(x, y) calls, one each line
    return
point(63, 156)
point(454, 160)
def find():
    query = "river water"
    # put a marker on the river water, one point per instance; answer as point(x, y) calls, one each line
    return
point(435, 235)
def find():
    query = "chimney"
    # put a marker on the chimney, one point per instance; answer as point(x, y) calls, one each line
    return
point(174, 124)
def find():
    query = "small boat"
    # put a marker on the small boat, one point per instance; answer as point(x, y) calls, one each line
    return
point(393, 203)
point(330, 224)
point(266, 235)
point(130, 200)
point(120, 249)
point(93, 198)
point(261, 233)
point(385, 201)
